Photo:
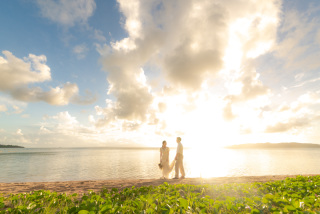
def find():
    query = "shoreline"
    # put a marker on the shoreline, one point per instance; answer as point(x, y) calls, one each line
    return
point(80, 187)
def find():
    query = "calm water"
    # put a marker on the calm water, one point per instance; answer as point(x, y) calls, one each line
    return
point(25, 165)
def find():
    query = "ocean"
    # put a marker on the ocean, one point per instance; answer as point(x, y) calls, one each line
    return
point(71, 164)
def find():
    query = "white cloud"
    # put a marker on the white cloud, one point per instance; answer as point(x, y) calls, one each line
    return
point(15, 138)
point(17, 109)
point(128, 83)
point(294, 123)
point(98, 35)
point(80, 50)
point(65, 130)
point(44, 130)
point(8, 101)
point(303, 83)
point(190, 42)
point(13, 106)
point(67, 12)
point(19, 132)
point(16, 75)
point(298, 45)
point(56, 96)
point(251, 88)
point(204, 56)
point(228, 115)
point(16, 72)
point(3, 108)
point(301, 114)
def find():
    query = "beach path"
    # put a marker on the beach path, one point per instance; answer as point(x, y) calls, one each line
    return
point(71, 187)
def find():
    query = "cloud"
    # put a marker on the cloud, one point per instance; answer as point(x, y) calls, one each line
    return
point(162, 107)
point(130, 126)
point(98, 35)
point(13, 106)
point(67, 12)
point(286, 126)
point(86, 99)
point(187, 52)
point(298, 40)
point(63, 129)
point(190, 42)
point(3, 108)
point(17, 109)
point(15, 138)
point(127, 82)
point(19, 132)
point(56, 96)
point(251, 88)
point(205, 37)
point(228, 115)
point(188, 69)
point(133, 100)
point(307, 82)
point(17, 74)
point(66, 126)
point(302, 113)
point(80, 51)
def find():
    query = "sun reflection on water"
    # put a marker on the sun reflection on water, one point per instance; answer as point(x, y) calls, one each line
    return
point(208, 163)
point(31, 165)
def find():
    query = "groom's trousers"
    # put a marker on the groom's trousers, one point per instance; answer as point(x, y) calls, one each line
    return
point(179, 166)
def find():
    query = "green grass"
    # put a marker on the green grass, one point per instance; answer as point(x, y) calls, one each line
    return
point(292, 195)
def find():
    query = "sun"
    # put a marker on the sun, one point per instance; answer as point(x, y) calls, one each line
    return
point(200, 122)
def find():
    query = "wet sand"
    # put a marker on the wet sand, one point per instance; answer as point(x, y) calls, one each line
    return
point(70, 187)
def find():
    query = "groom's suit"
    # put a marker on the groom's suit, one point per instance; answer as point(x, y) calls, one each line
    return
point(179, 161)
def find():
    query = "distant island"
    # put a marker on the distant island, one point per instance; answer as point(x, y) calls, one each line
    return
point(273, 145)
point(10, 146)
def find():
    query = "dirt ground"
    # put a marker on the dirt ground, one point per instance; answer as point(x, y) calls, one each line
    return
point(70, 187)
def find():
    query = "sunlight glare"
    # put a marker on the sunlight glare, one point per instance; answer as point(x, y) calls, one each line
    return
point(260, 48)
point(237, 33)
point(207, 163)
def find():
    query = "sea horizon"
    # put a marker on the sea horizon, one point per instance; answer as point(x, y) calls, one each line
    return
point(104, 163)
point(265, 145)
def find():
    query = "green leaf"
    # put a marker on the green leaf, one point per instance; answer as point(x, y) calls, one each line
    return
point(255, 211)
point(290, 208)
point(83, 212)
point(106, 208)
point(72, 210)
point(265, 201)
point(183, 203)
point(296, 203)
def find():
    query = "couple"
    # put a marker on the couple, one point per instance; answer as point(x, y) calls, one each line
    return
point(178, 163)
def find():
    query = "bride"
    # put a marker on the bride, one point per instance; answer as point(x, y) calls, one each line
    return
point(164, 160)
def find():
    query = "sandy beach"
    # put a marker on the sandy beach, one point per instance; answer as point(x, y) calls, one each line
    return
point(70, 187)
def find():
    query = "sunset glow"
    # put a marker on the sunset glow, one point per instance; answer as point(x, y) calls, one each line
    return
point(135, 72)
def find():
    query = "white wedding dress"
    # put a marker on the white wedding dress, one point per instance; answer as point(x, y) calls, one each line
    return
point(164, 160)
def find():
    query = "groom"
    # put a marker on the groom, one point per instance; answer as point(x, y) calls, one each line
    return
point(179, 160)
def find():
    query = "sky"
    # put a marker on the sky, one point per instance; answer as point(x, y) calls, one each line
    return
point(87, 73)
